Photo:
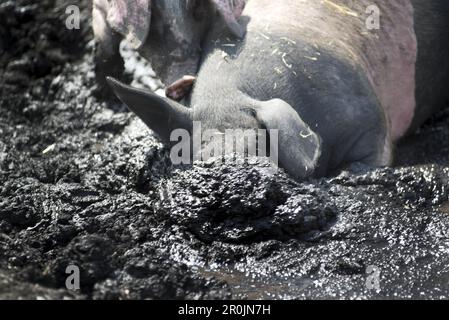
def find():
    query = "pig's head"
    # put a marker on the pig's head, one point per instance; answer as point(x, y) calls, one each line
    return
point(170, 32)
point(297, 147)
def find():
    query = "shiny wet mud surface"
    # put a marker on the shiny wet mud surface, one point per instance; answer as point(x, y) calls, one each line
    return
point(83, 182)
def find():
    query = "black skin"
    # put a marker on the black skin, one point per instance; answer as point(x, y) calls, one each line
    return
point(107, 57)
point(432, 31)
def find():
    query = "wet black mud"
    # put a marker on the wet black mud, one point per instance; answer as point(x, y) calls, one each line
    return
point(84, 183)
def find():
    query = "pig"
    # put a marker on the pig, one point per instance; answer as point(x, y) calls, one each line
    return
point(168, 33)
point(337, 89)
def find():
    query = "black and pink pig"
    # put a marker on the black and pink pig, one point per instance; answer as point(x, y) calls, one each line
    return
point(337, 90)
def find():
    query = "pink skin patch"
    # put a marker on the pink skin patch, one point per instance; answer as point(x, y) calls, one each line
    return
point(180, 88)
point(391, 62)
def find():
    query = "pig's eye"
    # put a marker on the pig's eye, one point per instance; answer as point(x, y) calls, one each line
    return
point(198, 9)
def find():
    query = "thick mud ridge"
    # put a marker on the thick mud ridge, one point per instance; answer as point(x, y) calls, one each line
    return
point(83, 182)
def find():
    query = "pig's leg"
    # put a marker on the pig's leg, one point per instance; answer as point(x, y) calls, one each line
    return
point(372, 148)
point(108, 61)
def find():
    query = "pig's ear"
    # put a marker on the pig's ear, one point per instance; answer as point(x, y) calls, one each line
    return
point(130, 18)
point(299, 147)
point(231, 10)
point(160, 114)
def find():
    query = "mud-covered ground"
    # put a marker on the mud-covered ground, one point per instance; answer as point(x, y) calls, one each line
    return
point(83, 182)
